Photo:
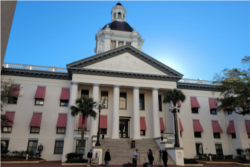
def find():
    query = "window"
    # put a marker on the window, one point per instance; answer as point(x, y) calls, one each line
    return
point(61, 130)
point(123, 100)
point(64, 102)
point(199, 148)
point(85, 93)
point(113, 44)
point(197, 134)
point(143, 132)
point(39, 102)
point(195, 110)
point(12, 100)
point(217, 135)
point(162, 131)
point(104, 98)
point(142, 102)
point(160, 102)
point(218, 148)
point(34, 129)
point(120, 43)
point(4, 146)
point(229, 112)
point(213, 111)
point(58, 147)
point(119, 15)
point(32, 145)
point(233, 136)
point(248, 135)
point(6, 129)
point(128, 43)
point(79, 146)
point(181, 133)
point(103, 131)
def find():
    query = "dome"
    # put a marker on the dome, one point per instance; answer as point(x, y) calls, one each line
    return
point(119, 26)
point(118, 4)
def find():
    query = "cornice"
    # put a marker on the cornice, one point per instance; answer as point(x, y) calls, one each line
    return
point(36, 74)
point(192, 86)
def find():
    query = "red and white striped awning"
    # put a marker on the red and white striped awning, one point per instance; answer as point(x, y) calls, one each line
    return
point(62, 121)
point(36, 120)
point(103, 122)
point(197, 126)
point(40, 93)
point(216, 127)
point(143, 123)
point(194, 102)
point(64, 94)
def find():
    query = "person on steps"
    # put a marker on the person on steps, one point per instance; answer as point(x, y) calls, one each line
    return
point(165, 157)
point(89, 156)
point(107, 158)
point(135, 157)
point(150, 157)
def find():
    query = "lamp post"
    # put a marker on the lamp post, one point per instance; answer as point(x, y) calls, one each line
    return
point(173, 110)
point(99, 106)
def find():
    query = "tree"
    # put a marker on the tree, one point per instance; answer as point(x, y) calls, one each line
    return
point(234, 87)
point(84, 106)
point(7, 94)
point(174, 95)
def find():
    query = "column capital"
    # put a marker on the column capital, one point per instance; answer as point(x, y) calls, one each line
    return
point(155, 88)
point(74, 83)
point(136, 87)
point(96, 84)
point(116, 86)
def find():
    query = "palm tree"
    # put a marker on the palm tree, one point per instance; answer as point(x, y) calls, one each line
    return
point(174, 95)
point(84, 106)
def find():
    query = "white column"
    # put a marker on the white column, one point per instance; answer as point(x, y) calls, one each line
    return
point(69, 138)
point(156, 118)
point(94, 122)
point(115, 114)
point(136, 114)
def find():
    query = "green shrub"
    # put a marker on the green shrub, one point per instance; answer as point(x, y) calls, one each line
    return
point(74, 155)
point(228, 156)
point(76, 161)
point(190, 161)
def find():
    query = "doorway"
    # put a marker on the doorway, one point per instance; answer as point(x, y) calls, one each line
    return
point(123, 128)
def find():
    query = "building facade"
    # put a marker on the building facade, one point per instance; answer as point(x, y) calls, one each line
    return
point(133, 85)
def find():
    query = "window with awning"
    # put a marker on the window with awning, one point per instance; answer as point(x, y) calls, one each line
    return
point(64, 98)
point(197, 126)
point(213, 106)
point(7, 126)
point(162, 127)
point(231, 129)
point(178, 105)
point(103, 124)
point(143, 126)
point(216, 127)
point(247, 123)
point(181, 127)
point(61, 123)
point(14, 93)
point(40, 95)
point(35, 123)
point(194, 105)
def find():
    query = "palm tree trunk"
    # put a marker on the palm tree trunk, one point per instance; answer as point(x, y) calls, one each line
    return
point(82, 134)
point(176, 128)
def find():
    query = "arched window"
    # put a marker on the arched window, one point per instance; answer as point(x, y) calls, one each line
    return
point(119, 15)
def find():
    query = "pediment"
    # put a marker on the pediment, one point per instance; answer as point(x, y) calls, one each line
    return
point(125, 60)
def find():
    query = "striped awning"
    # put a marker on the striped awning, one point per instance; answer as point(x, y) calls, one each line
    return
point(64, 94)
point(103, 122)
point(80, 122)
point(247, 123)
point(197, 126)
point(213, 104)
point(194, 102)
point(62, 121)
point(14, 90)
point(181, 127)
point(40, 93)
point(11, 116)
point(216, 127)
point(230, 128)
point(162, 125)
point(36, 120)
point(143, 123)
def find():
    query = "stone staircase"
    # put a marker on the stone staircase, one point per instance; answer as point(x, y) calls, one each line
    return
point(121, 153)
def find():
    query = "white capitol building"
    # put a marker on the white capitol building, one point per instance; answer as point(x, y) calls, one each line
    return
point(134, 84)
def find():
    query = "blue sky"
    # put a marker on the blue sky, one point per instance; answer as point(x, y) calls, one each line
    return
point(198, 39)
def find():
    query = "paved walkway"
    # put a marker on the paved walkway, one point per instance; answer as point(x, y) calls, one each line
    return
point(58, 164)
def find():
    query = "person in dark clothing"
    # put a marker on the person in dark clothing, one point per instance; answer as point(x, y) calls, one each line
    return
point(107, 158)
point(165, 157)
point(150, 158)
point(89, 156)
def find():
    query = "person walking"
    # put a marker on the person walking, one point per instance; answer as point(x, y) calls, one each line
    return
point(165, 157)
point(107, 158)
point(89, 156)
point(135, 157)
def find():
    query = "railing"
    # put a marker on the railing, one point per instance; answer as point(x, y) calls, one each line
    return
point(32, 67)
point(197, 81)
point(79, 132)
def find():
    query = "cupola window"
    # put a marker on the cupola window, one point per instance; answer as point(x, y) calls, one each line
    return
point(113, 43)
point(119, 15)
point(120, 43)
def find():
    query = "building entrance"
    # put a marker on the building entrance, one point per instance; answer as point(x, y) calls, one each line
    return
point(123, 128)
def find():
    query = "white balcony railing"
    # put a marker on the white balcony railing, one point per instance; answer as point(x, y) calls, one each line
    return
point(32, 67)
point(196, 81)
